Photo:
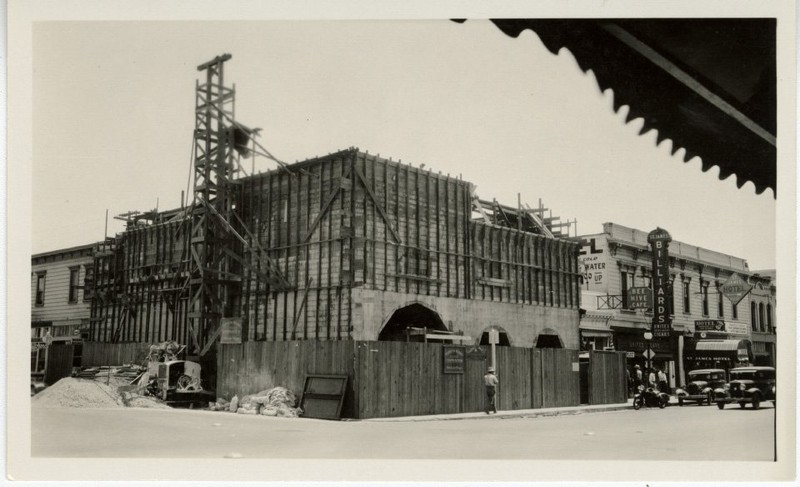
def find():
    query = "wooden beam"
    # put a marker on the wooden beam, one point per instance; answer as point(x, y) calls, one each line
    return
point(377, 205)
point(324, 210)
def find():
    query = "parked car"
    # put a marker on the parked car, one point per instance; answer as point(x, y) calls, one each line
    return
point(701, 385)
point(747, 385)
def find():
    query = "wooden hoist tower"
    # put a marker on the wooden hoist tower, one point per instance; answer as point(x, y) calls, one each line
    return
point(219, 245)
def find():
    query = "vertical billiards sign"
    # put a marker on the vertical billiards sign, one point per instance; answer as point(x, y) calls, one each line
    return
point(659, 240)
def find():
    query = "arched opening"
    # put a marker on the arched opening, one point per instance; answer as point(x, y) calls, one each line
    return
point(503, 339)
point(412, 316)
point(548, 338)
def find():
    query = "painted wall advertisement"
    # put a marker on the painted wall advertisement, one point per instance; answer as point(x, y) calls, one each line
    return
point(659, 240)
point(592, 263)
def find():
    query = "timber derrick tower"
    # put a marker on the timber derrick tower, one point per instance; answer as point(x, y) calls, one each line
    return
point(213, 287)
point(217, 242)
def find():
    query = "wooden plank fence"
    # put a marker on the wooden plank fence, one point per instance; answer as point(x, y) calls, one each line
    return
point(607, 378)
point(390, 379)
point(59, 362)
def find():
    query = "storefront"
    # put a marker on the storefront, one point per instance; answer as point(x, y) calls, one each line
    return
point(635, 346)
point(717, 353)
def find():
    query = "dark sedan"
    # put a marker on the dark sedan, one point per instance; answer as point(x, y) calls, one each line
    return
point(747, 385)
point(701, 385)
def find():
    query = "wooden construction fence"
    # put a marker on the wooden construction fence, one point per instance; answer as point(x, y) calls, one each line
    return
point(390, 379)
point(608, 382)
point(59, 362)
point(98, 353)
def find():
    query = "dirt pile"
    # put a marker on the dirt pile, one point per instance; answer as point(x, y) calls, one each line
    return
point(86, 393)
point(78, 393)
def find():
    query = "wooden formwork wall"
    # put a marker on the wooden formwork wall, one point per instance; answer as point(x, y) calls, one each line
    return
point(96, 354)
point(390, 379)
point(141, 273)
point(340, 221)
point(352, 219)
point(608, 382)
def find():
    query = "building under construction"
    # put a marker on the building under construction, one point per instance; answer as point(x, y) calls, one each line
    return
point(348, 246)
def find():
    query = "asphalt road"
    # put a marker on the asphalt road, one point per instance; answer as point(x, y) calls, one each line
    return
point(675, 433)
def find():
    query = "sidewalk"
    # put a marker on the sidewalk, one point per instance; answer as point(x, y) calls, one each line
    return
point(522, 413)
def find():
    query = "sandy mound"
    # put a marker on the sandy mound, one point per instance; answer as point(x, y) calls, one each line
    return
point(85, 393)
point(78, 393)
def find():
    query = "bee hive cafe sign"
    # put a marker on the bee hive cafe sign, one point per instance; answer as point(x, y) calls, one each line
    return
point(659, 240)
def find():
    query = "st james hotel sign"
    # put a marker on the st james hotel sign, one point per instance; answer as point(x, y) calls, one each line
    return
point(659, 240)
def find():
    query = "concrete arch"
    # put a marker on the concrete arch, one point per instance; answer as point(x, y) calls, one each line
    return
point(412, 315)
point(505, 338)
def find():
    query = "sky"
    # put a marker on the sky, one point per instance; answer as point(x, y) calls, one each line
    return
point(113, 118)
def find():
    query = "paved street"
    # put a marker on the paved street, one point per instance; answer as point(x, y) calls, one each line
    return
point(675, 433)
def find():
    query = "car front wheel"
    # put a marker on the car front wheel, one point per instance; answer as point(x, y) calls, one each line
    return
point(756, 402)
point(709, 399)
point(680, 401)
point(721, 405)
point(742, 404)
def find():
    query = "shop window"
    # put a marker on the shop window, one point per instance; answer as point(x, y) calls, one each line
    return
point(753, 316)
point(74, 274)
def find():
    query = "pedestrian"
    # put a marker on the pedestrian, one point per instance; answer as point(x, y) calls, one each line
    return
point(491, 381)
point(651, 379)
point(637, 376)
point(662, 382)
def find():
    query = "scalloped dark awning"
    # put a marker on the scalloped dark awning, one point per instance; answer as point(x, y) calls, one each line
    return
point(709, 85)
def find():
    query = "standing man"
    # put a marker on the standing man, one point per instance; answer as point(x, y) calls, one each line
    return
point(651, 379)
point(491, 381)
point(662, 382)
point(637, 378)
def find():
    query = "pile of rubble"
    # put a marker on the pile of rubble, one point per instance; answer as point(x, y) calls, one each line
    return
point(277, 401)
point(85, 393)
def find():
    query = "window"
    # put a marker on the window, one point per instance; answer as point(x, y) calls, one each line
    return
point(761, 320)
point(686, 297)
point(753, 317)
point(735, 310)
point(626, 282)
point(704, 292)
point(720, 304)
point(74, 274)
point(769, 318)
point(88, 282)
point(671, 297)
point(40, 281)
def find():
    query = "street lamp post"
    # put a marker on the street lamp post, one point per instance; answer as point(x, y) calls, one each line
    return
point(648, 336)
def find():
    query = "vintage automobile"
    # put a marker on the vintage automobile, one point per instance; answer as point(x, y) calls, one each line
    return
point(747, 385)
point(701, 385)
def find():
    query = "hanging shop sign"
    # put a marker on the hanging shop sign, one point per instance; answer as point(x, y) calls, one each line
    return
point(659, 240)
point(735, 288)
point(717, 326)
point(640, 298)
point(721, 326)
point(454, 357)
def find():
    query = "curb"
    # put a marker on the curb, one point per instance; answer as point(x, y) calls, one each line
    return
point(524, 413)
